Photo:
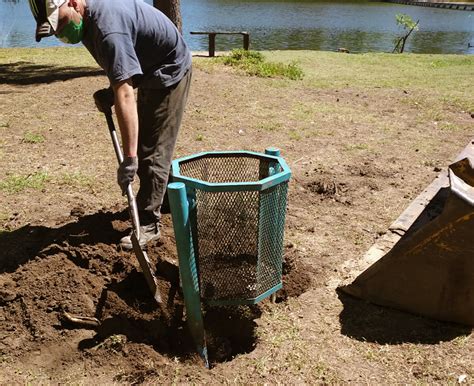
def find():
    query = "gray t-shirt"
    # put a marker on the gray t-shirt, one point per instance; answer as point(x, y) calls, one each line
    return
point(132, 39)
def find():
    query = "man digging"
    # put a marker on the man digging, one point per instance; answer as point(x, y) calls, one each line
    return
point(138, 47)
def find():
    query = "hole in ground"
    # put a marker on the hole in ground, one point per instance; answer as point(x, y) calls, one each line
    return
point(126, 306)
point(127, 309)
point(230, 331)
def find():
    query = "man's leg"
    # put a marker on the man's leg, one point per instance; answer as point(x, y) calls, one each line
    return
point(160, 114)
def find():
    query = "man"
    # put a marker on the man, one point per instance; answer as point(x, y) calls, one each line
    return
point(138, 47)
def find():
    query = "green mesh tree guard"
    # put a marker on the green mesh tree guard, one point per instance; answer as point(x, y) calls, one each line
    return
point(237, 203)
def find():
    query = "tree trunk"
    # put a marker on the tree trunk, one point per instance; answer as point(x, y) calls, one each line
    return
point(172, 9)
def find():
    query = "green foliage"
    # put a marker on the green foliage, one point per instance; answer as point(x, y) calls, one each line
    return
point(17, 183)
point(294, 135)
point(406, 22)
point(253, 63)
point(270, 126)
point(356, 146)
point(240, 56)
point(408, 25)
point(29, 137)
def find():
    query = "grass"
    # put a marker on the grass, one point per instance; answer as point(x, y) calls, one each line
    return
point(284, 347)
point(270, 126)
point(304, 112)
point(459, 103)
point(356, 146)
point(446, 126)
point(462, 340)
point(30, 137)
point(254, 63)
point(446, 73)
point(57, 56)
point(75, 179)
point(320, 69)
point(17, 183)
point(295, 135)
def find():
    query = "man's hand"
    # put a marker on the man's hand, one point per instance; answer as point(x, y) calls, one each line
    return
point(126, 172)
point(104, 99)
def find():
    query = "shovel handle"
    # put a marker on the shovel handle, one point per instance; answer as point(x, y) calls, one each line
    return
point(113, 134)
point(132, 206)
point(132, 203)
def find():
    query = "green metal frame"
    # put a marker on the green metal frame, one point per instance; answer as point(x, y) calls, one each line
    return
point(244, 302)
point(187, 266)
point(181, 193)
point(281, 176)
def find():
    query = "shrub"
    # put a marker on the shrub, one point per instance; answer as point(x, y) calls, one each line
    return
point(253, 63)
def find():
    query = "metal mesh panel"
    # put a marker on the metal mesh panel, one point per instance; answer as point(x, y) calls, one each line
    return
point(271, 228)
point(227, 232)
point(225, 168)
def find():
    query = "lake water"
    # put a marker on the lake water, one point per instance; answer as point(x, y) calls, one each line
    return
point(359, 26)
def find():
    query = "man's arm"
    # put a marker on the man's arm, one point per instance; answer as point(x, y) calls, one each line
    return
point(127, 116)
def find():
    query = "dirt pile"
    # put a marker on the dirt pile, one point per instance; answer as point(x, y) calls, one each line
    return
point(78, 269)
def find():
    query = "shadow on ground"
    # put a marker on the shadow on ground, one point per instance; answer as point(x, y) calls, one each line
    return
point(23, 244)
point(371, 323)
point(27, 73)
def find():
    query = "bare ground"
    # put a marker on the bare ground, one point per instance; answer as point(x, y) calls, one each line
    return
point(358, 157)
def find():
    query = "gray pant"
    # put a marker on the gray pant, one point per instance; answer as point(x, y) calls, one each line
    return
point(160, 112)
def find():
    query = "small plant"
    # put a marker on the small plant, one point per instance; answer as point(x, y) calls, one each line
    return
point(17, 183)
point(270, 126)
point(408, 25)
point(253, 63)
point(429, 163)
point(75, 179)
point(114, 343)
point(358, 240)
point(294, 135)
point(449, 127)
point(29, 137)
point(357, 146)
point(461, 340)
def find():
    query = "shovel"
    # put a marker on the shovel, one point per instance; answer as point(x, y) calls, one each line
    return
point(132, 207)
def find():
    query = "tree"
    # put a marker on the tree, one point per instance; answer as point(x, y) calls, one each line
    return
point(172, 9)
point(408, 25)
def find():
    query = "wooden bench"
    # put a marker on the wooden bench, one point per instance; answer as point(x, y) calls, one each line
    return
point(212, 39)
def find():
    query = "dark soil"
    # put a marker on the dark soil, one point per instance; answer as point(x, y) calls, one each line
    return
point(79, 268)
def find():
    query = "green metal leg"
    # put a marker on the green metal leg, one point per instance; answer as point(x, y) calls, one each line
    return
point(187, 266)
point(274, 168)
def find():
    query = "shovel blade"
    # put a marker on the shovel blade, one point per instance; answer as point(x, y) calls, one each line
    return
point(145, 265)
